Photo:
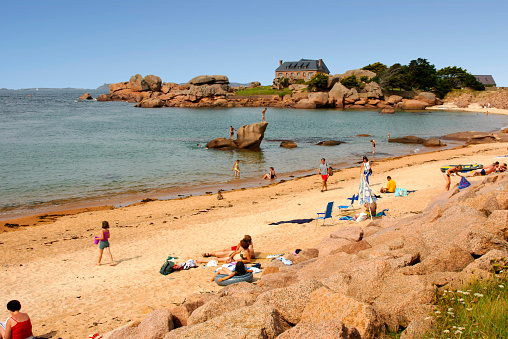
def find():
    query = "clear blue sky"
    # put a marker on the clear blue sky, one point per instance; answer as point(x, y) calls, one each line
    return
point(85, 44)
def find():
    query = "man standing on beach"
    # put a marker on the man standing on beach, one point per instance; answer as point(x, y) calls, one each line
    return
point(323, 171)
point(374, 144)
point(263, 114)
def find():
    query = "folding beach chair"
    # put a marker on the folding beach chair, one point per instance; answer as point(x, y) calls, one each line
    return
point(326, 215)
point(351, 206)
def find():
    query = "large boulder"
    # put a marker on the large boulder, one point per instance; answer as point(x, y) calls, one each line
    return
point(138, 84)
point(86, 96)
point(319, 98)
point(288, 144)
point(433, 142)
point(330, 143)
point(305, 104)
point(373, 90)
point(221, 143)
point(388, 110)
point(118, 86)
point(325, 305)
point(337, 94)
point(332, 329)
point(394, 99)
point(413, 104)
point(217, 307)
point(255, 84)
point(155, 326)
point(209, 79)
point(208, 90)
point(290, 301)
point(150, 103)
point(427, 97)
point(154, 82)
point(409, 139)
point(250, 136)
point(250, 322)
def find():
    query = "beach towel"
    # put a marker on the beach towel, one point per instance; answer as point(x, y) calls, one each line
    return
point(380, 214)
point(464, 183)
point(400, 192)
point(212, 263)
point(346, 217)
point(294, 221)
point(285, 261)
point(269, 256)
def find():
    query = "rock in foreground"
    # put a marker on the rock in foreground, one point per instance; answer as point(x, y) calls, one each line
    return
point(248, 136)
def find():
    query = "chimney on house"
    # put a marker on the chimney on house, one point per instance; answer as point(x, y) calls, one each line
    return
point(320, 63)
point(280, 62)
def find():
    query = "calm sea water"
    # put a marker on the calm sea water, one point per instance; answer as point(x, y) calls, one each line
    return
point(55, 149)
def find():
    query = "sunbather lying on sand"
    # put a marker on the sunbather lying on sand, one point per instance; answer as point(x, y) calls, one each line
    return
point(239, 270)
point(227, 252)
point(487, 170)
point(241, 254)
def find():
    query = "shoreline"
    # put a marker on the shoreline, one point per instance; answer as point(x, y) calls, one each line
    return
point(472, 108)
point(50, 213)
point(52, 266)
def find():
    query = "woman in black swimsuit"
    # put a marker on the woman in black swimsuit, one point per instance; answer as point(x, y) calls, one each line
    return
point(270, 175)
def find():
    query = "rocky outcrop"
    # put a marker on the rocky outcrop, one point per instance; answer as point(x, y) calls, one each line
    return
point(86, 96)
point(413, 104)
point(409, 139)
point(248, 136)
point(305, 104)
point(209, 80)
point(319, 99)
point(433, 142)
point(150, 103)
point(288, 144)
point(389, 282)
point(330, 143)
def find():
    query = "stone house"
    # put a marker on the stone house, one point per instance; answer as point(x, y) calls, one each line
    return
point(487, 80)
point(303, 69)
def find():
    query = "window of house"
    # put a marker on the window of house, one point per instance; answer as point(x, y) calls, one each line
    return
point(311, 74)
point(292, 74)
point(280, 75)
point(298, 74)
point(303, 73)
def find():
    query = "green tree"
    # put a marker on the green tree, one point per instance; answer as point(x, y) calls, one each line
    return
point(376, 67)
point(393, 77)
point(421, 75)
point(351, 81)
point(470, 81)
point(365, 78)
point(452, 74)
point(442, 87)
point(318, 81)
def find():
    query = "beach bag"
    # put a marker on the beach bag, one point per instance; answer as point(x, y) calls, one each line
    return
point(330, 171)
point(400, 192)
point(464, 183)
point(167, 268)
point(370, 171)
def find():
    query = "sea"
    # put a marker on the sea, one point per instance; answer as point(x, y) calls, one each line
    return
point(57, 152)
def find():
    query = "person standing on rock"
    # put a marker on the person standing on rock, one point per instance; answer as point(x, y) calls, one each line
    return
point(374, 145)
point(231, 132)
point(263, 114)
point(236, 168)
point(323, 171)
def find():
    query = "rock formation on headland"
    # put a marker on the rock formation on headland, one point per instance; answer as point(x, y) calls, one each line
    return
point(214, 91)
point(360, 282)
point(248, 136)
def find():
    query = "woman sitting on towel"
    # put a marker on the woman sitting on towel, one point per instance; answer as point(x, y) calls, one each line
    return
point(239, 270)
point(228, 251)
point(240, 254)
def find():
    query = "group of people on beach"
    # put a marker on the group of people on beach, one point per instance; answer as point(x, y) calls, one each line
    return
point(456, 170)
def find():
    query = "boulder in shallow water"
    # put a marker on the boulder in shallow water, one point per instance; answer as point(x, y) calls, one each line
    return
point(250, 136)
point(408, 139)
point(414, 104)
point(433, 142)
point(388, 110)
point(305, 104)
point(86, 96)
point(221, 143)
point(330, 143)
point(150, 103)
point(288, 144)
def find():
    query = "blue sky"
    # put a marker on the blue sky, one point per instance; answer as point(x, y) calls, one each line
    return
point(85, 44)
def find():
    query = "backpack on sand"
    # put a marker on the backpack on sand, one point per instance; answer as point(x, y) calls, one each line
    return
point(167, 268)
point(464, 183)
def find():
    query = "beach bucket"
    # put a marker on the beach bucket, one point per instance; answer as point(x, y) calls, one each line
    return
point(96, 240)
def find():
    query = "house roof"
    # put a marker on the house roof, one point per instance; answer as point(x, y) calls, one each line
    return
point(303, 65)
point(485, 79)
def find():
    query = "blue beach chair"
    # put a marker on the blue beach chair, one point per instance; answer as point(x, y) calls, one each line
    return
point(346, 207)
point(326, 215)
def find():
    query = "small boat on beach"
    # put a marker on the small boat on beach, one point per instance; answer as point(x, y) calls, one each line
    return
point(465, 168)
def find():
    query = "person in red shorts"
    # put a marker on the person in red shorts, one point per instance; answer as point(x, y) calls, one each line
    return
point(323, 171)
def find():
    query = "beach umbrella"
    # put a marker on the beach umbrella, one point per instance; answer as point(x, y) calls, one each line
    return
point(365, 194)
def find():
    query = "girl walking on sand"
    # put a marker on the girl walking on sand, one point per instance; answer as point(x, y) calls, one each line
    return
point(104, 243)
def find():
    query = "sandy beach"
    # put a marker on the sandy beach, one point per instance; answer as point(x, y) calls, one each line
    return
point(51, 267)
